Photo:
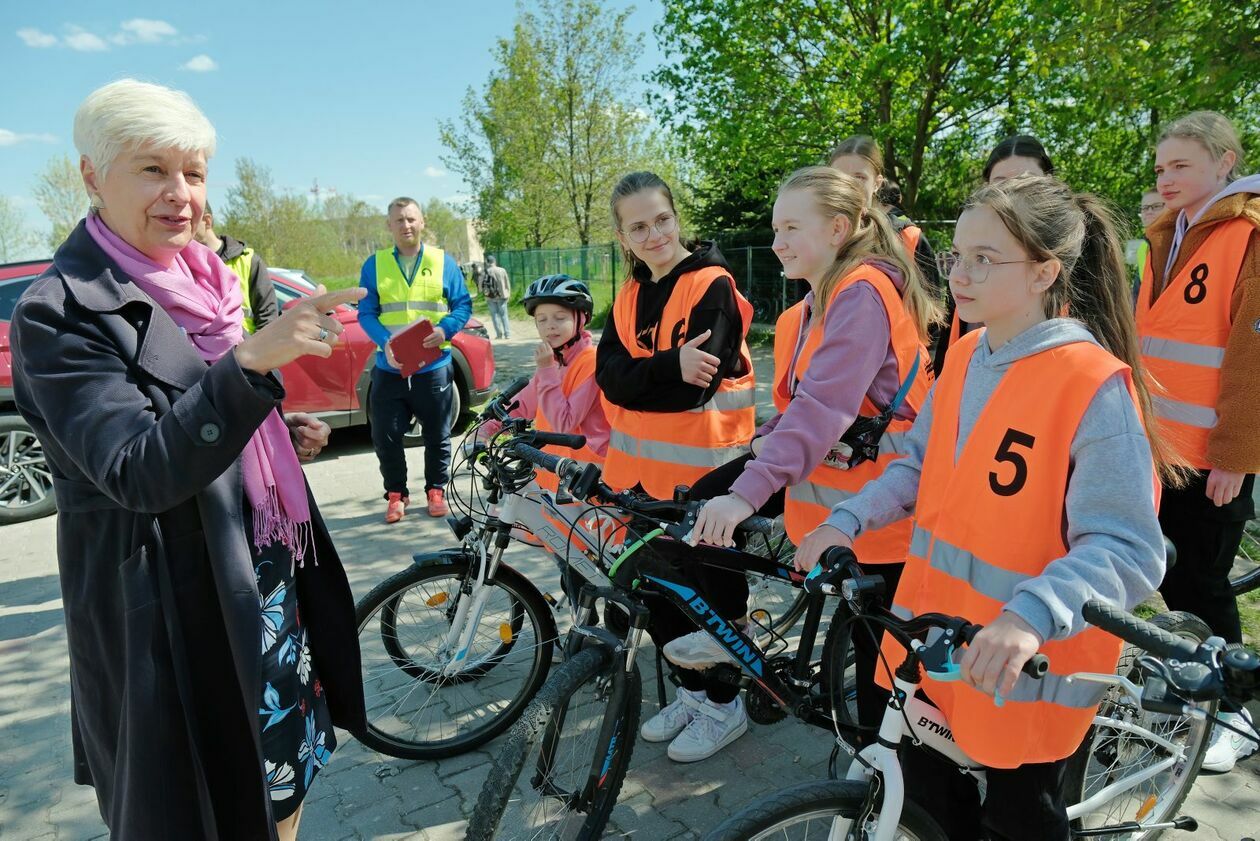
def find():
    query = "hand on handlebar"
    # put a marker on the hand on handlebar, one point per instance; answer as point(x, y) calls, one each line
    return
point(718, 519)
point(994, 658)
point(816, 542)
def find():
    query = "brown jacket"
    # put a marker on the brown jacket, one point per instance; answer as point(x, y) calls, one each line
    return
point(1235, 442)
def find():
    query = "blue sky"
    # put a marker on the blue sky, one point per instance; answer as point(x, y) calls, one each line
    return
point(349, 94)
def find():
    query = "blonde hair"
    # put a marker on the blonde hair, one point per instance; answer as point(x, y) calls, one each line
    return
point(871, 237)
point(1213, 132)
point(1078, 230)
point(131, 113)
point(862, 145)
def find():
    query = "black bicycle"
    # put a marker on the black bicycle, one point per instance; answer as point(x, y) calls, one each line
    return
point(562, 766)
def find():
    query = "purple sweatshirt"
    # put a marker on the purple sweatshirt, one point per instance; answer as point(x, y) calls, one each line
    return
point(855, 359)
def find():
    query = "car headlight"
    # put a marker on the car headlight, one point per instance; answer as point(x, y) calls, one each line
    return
point(478, 331)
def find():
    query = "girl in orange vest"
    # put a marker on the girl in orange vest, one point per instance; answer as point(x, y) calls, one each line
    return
point(1199, 322)
point(1019, 154)
point(677, 382)
point(852, 352)
point(1032, 484)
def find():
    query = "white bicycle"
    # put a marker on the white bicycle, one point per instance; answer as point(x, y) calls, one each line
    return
point(1130, 776)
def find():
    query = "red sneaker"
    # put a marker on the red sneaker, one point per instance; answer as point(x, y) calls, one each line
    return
point(395, 507)
point(437, 503)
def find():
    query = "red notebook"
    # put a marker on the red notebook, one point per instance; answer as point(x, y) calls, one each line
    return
point(409, 348)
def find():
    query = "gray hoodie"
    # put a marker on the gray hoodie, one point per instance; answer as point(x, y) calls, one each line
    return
point(1116, 549)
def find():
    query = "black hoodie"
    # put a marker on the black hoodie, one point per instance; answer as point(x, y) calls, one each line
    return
point(654, 383)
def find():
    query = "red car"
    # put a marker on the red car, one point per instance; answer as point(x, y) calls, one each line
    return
point(335, 389)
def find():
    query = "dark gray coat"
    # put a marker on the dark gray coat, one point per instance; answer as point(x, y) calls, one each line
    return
point(162, 612)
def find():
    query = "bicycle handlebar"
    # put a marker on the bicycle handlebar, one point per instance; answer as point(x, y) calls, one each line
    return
point(1138, 631)
point(565, 468)
point(559, 439)
point(498, 407)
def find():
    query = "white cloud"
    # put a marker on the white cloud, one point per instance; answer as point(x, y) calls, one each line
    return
point(36, 38)
point(433, 172)
point(83, 41)
point(13, 138)
point(143, 31)
point(200, 64)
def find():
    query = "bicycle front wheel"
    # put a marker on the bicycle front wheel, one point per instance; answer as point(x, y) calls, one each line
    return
point(1245, 574)
point(541, 784)
point(445, 671)
point(808, 812)
point(1113, 750)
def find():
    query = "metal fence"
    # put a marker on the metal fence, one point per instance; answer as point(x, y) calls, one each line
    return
point(757, 272)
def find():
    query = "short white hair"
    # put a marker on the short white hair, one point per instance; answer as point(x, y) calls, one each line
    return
point(132, 113)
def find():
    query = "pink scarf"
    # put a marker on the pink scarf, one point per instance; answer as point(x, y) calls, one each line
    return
point(203, 297)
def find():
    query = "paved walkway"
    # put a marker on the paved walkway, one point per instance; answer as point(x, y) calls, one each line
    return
point(363, 795)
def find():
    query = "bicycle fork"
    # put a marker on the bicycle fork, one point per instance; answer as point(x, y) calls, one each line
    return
point(472, 605)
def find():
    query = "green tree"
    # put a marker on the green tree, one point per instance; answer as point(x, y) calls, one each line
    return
point(16, 240)
point(446, 229)
point(61, 198)
point(543, 142)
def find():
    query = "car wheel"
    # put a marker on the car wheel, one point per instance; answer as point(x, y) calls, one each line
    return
point(26, 490)
point(413, 438)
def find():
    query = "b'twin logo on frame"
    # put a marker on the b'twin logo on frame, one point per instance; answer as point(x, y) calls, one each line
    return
point(722, 629)
point(936, 727)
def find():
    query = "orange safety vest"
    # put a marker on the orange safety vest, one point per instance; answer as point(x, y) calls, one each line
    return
point(659, 450)
point(1183, 333)
point(581, 369)
point(910, 236)
point(995, 519)
point(809, 502)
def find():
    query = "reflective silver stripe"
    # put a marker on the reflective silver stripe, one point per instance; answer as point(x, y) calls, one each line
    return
point(1187, 352)
point(425, 306)
point(673, 453)
point(1057, 689)
point(902, 612)
point(725, 401)
point(248, 312)
point(813, 493)
point(985, 578)
point(893, 443)
point(1203, 417)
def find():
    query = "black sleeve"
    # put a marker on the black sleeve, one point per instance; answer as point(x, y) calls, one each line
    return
point(654, 384)
point(262, 294)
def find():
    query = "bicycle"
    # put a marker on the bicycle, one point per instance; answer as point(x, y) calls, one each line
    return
point(578, 735)
point(455, 646)
point(871, 804)
point(1245, 574)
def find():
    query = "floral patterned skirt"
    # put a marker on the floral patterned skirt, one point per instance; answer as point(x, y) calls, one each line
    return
point(297, 730)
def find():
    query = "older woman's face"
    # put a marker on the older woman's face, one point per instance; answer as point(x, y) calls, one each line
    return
point(152, 198)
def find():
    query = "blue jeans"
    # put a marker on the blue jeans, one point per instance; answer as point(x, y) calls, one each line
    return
point(394, 401)
point(499, 315)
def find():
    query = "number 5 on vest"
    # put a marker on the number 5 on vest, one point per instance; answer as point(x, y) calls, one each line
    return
point(1004, 453)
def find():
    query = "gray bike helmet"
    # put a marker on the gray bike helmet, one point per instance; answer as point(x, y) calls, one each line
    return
point(559, 289)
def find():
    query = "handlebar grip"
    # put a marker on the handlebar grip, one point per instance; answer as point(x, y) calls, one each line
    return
point(1133, 630)
point(512, 389)
point(563, 467)
point(1037, 666)
point(756, 524)
point(560, 439)
point(835, 557)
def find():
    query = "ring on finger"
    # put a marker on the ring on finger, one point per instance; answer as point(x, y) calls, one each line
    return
point(323, 334)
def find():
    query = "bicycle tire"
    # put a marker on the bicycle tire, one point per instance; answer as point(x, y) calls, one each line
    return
point(398, 677)
point(541, 726)
point(816, 802)
point(1245, 574)
point(837, 660)
point(1100, 744)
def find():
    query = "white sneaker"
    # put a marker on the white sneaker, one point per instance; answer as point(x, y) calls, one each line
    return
point(697, 650)
point(673, 718)
point(1228, 747)
point(713, 727)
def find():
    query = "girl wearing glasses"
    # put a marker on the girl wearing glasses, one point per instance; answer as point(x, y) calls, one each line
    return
point(1020, 154)
point(851, 372)
point(677, 383)
point(1033, 488)
point(1199, 321)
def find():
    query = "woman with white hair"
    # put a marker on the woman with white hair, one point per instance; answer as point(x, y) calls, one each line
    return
point(202, 698)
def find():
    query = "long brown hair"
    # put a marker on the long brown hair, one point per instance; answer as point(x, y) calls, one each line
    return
point(862, 145)
point(871, 236)
point(1078, 230)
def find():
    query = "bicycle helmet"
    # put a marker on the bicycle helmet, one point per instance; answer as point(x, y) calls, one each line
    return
point(559, 289)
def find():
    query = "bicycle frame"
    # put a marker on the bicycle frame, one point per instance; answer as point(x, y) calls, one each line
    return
point(929, 727)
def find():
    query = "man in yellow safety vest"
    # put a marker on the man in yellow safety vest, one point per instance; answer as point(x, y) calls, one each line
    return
point(258, 296)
